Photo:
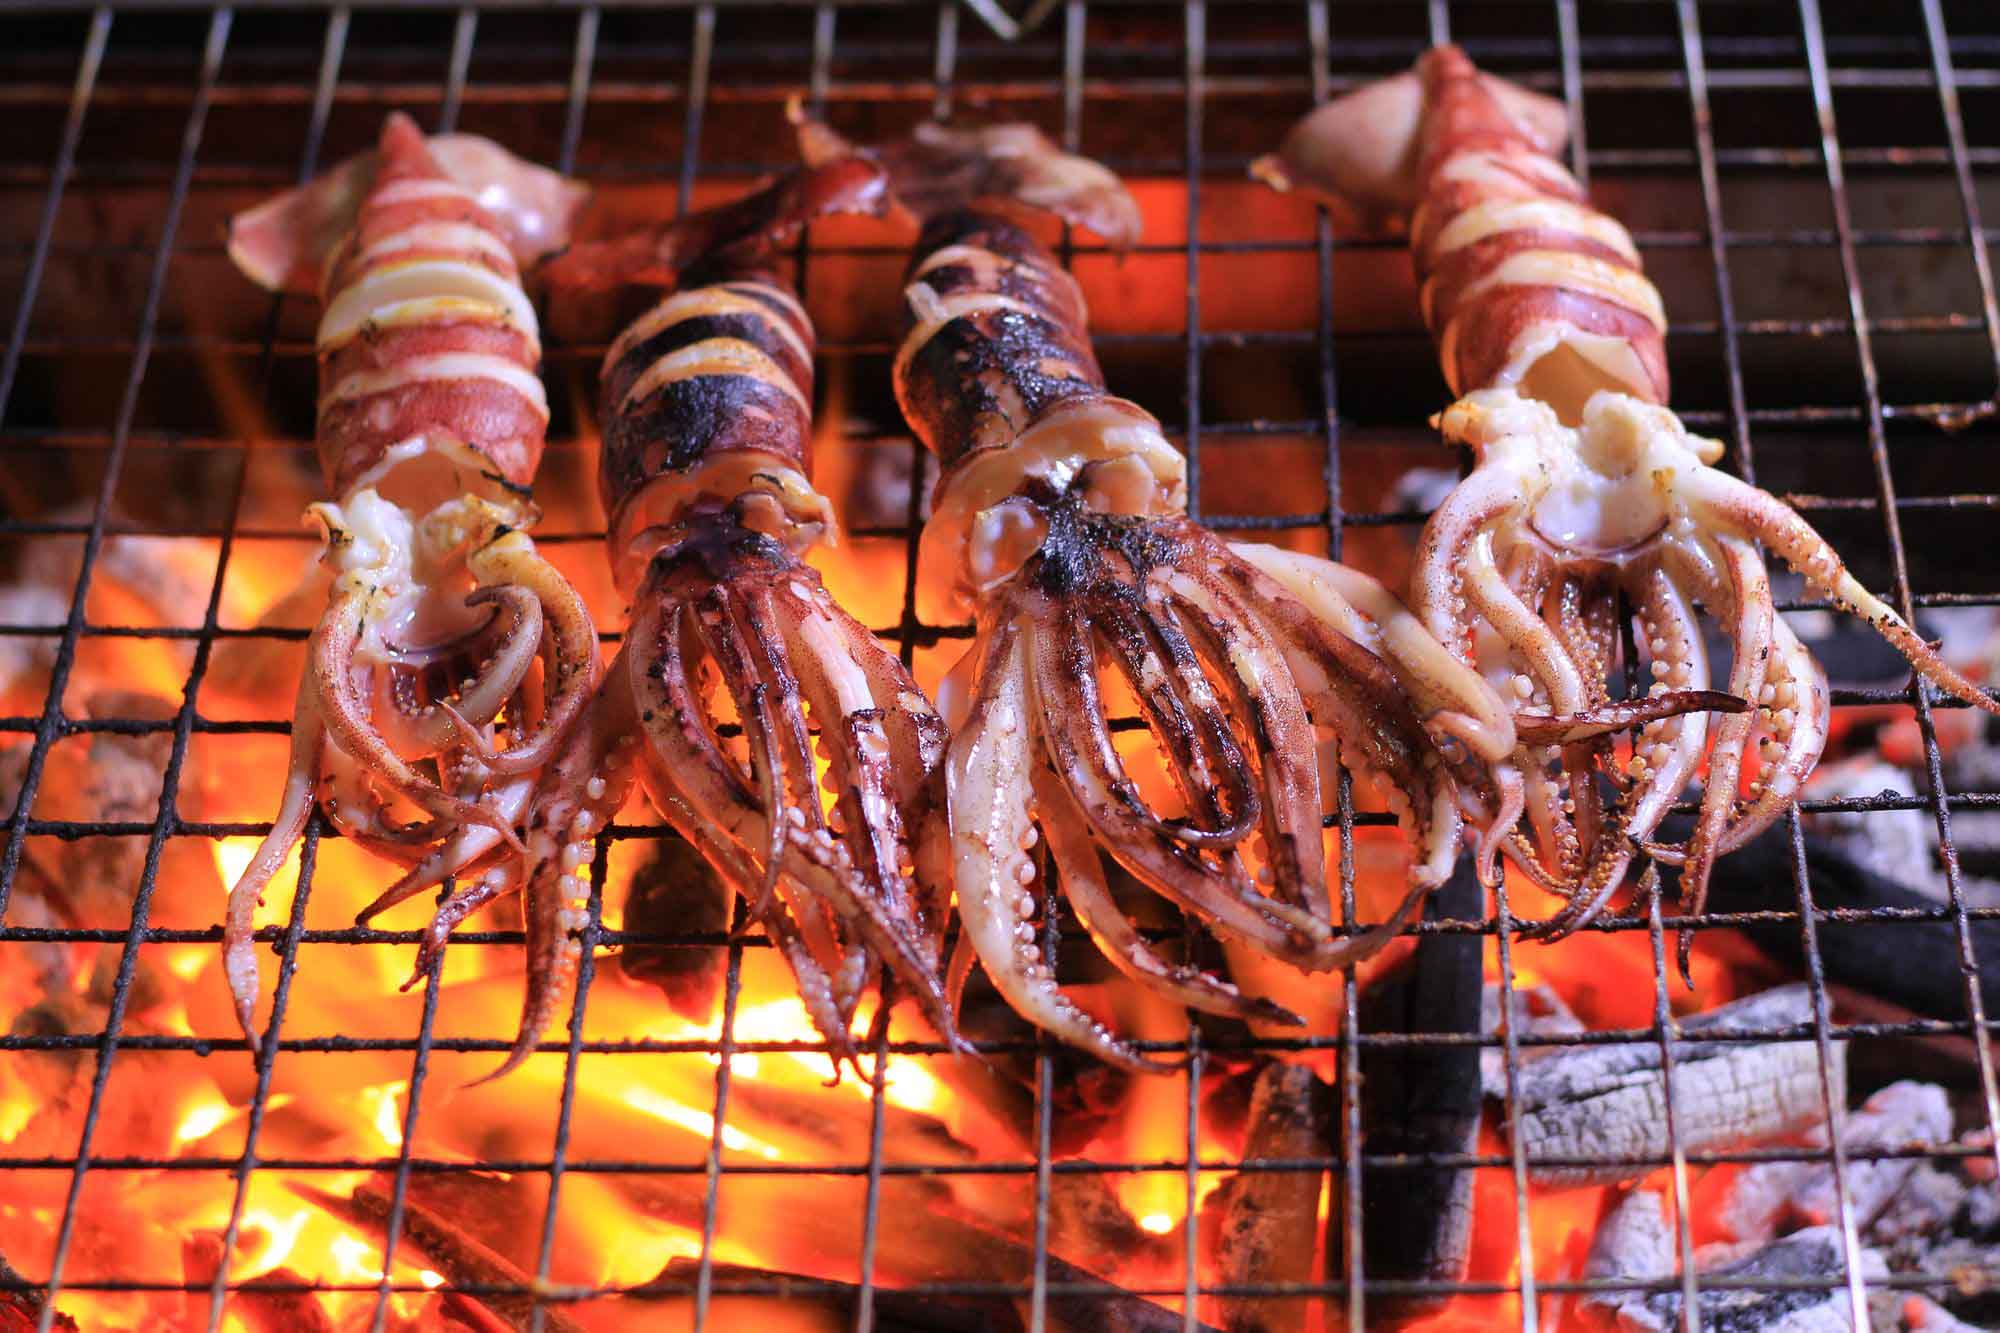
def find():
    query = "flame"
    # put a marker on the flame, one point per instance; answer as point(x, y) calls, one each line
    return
point(388, 1114)
point(642, 1098)
point(202, 1120)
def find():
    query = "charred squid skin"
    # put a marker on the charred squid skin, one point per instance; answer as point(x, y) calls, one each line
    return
point(1059, 521)
point(707, 400)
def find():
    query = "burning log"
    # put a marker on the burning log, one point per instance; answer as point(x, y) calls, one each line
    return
point(1416, 1222)
point(1635, 1244)
point(1605, 1105)
point(445, 1242)
point(265, 1304)
point(1911, 964)
point(1269, 1217)
point(675, 893)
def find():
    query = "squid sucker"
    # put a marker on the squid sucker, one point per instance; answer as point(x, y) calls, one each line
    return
point(452, 658)
point(1589, 497)
point(1059, 526)
point(770, 728)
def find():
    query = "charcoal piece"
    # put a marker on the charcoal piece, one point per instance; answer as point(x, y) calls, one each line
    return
point(1913, 964)
point(675, 893)
point(1773, 1197)
point(449, 1246)
point(895, 1311)
point(900, 1311)
point(22, 1303)
point(268, 1303)
point(1269, 1217)
point(1416, 1221)
point(1607, 1103)
point(1636, 1244)
point(1539, 1011)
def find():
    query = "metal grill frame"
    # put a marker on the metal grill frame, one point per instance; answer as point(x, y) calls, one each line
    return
point(1804, 64)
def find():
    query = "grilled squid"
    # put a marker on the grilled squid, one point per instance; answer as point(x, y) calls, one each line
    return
point(1059, 525)
point(770, 728)
point(451, 657)
point(1587, 492)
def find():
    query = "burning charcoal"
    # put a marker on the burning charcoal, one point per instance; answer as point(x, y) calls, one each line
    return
point(1607, 1104)
point(22, 1304)
point(895, 1311)
point(899, 1311)
point(1911, 964)
point(1269, 1217)
point(921, 1235)
point(1416, 1222)
point(464, 1260)
point(1539, 1011)
point(1636, 1244)
point(261, 1309)
point(1774, 1197)
point(675, 893)
point(115, 777)
point(1908, 1312)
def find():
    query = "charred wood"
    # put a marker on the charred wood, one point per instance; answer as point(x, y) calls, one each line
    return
point(1771, 1198)
point(1925, 1216)
point(675, 893)
point(22, 1304)
point(1539, 1011)
point(1269, 1218)
point(465, 1261)
point(1422, 1099)
point(1605, 1105)
point(895, 1311)
point(922, 1235)
point(1913, 964)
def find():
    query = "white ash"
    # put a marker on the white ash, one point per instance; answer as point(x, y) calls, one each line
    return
point(1636, 1244)
point(1539, 1011)
point(1899, 845)
point(1774, 1197)
point(1605, 1104)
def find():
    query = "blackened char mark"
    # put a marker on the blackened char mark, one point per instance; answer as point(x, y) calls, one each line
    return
point(686, 421)
point(984, 378)
point(619, 378)
point(1026, 271)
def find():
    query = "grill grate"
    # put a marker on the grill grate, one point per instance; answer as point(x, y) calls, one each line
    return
point(1093, 82)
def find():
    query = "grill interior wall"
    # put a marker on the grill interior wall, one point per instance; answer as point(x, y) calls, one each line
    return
point(1833, 321)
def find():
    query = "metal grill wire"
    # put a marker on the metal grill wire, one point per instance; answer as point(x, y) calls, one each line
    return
point(1674, 61)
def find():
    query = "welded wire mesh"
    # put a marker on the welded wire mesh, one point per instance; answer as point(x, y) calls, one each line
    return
point(1845, 152)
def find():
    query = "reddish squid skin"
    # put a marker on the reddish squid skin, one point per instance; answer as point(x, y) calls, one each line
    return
point(416, 215)
point(1586, 485)
point(440, 606)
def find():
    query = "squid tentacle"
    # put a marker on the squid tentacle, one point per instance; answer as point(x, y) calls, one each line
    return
point(1175, 694)
point(239, 962)
point(1084, 887)
point(986, 771)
